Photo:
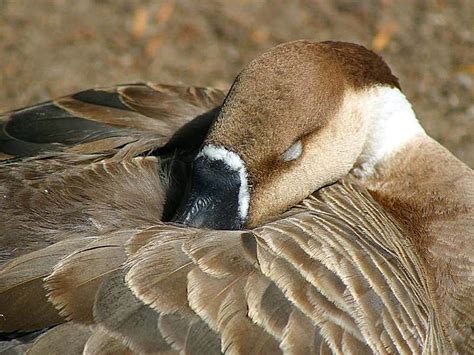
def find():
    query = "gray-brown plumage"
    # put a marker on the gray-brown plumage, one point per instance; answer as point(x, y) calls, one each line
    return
point(358, 226)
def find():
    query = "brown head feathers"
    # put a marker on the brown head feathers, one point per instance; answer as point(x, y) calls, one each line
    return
point(294, 93)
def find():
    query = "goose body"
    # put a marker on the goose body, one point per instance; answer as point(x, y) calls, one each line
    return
point(305, 212)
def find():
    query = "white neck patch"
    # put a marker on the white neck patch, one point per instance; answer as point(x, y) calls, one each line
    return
point(235, 163)
point(392, 123)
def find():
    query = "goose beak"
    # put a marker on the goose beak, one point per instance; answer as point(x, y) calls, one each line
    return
point(212, 197)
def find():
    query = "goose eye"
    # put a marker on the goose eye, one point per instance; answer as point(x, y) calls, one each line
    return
point(293, 152)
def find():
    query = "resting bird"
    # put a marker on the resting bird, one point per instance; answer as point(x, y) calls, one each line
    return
point(306, 211)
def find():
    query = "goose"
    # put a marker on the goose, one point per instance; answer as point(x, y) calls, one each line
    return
point(306, 211)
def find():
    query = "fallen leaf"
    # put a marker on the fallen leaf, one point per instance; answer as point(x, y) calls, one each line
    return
point(259, 35)
point(152, 46)
point(466, 68)
point(164, 12)
point(140, 21)
point(384, 35)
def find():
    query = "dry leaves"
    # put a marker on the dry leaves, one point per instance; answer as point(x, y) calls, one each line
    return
point(164, 12)
point(259, 35)
point(140, 22)
point(152, 45)
point(467, 68)
point(384, 35)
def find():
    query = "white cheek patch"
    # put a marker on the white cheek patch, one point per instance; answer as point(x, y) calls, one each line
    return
point(235, 163)
point(294, 152)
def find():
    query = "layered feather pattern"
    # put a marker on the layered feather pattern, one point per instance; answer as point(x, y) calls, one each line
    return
point(320, 279)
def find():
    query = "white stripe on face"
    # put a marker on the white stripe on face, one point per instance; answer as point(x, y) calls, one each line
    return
point(235, 163)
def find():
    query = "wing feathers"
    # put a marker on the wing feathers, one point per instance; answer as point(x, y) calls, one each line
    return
point(122, 315)
point(267, 306)
point(189, 336)
point(66, 338)
point(158, 272)
point(300, 335)
point(102, 343)
point(219, 254)
point(76, 279)
point(23, 302)
point(320, 280)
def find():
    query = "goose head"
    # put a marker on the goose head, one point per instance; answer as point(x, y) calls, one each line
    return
point(297, 118)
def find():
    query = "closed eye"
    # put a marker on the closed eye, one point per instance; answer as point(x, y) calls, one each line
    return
point(293, 152)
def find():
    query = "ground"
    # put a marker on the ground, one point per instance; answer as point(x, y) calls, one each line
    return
point(51, 48)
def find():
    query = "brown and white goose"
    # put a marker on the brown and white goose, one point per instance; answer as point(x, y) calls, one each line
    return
point(319, 217)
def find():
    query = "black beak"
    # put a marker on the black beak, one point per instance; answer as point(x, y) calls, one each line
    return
point(212, 197)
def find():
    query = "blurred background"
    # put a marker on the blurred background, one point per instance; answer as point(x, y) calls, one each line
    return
point(51, 48)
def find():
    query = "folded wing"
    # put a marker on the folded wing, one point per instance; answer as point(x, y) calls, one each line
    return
point(320, 279)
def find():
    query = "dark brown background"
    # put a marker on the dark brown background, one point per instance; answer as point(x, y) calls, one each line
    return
point(54, 47)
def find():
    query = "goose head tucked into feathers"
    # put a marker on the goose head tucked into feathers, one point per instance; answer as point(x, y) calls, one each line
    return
point(381, 261)
point(297, 118)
